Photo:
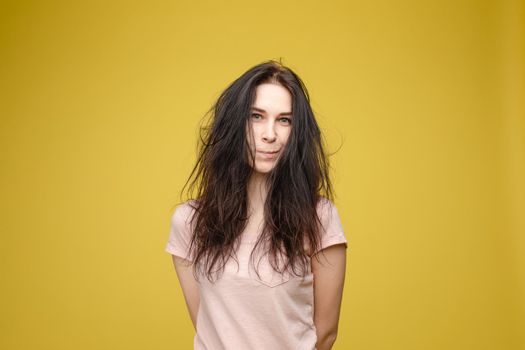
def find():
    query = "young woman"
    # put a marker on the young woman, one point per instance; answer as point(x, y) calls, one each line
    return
point(260, 253)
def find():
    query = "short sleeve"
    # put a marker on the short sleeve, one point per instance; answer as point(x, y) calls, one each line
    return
point(180, 232)
point(332, 229)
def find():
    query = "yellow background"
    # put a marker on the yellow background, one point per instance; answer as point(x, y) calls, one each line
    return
point(422, 100)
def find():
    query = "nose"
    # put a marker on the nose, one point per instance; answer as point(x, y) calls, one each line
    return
point(269, 134)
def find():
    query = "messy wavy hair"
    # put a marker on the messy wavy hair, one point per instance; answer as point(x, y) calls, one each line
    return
point(296, 184)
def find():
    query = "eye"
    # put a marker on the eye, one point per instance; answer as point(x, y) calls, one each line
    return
point(256, 114)
point(287, 119)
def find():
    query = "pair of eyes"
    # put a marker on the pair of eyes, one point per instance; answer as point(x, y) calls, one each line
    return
point(287, 120)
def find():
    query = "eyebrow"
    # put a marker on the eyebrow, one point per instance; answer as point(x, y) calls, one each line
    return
point(263, 111)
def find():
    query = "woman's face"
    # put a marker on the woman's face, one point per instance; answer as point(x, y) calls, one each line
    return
point(270, 124)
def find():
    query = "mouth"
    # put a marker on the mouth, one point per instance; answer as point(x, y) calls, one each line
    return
point(269, 155)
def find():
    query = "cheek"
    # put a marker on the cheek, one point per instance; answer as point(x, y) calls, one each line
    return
point(286, 135)
point(249, 135)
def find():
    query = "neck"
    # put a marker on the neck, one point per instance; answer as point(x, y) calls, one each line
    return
point(256, 192)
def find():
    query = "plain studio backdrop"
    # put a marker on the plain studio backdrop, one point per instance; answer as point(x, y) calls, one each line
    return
point(422, 105)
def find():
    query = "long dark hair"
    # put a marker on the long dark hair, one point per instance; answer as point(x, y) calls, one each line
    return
point(296, 184)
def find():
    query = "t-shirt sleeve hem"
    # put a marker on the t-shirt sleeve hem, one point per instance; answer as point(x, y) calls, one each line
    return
point(332, 240)
point(173, 250)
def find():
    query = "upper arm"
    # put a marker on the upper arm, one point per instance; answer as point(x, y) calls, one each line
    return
point(189, 285)
point(328, 265)
point(329, 276)
point(178, 246)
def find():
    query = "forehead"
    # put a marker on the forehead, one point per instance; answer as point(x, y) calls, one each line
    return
point(273, 97)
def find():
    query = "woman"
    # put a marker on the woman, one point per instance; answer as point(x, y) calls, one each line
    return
point(263, 229)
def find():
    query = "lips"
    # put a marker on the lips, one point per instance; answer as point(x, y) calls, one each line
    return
point(269, 155)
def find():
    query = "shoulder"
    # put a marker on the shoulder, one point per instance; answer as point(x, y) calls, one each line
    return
point(331, 230)
point(325, 207)
point(329, 215)
point(183, 213)
point(181, 231)
point(324, 202)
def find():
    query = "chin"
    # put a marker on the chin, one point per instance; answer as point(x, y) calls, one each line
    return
point(263, 169)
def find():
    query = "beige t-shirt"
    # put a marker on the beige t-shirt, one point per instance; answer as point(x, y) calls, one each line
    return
point(241, 310)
